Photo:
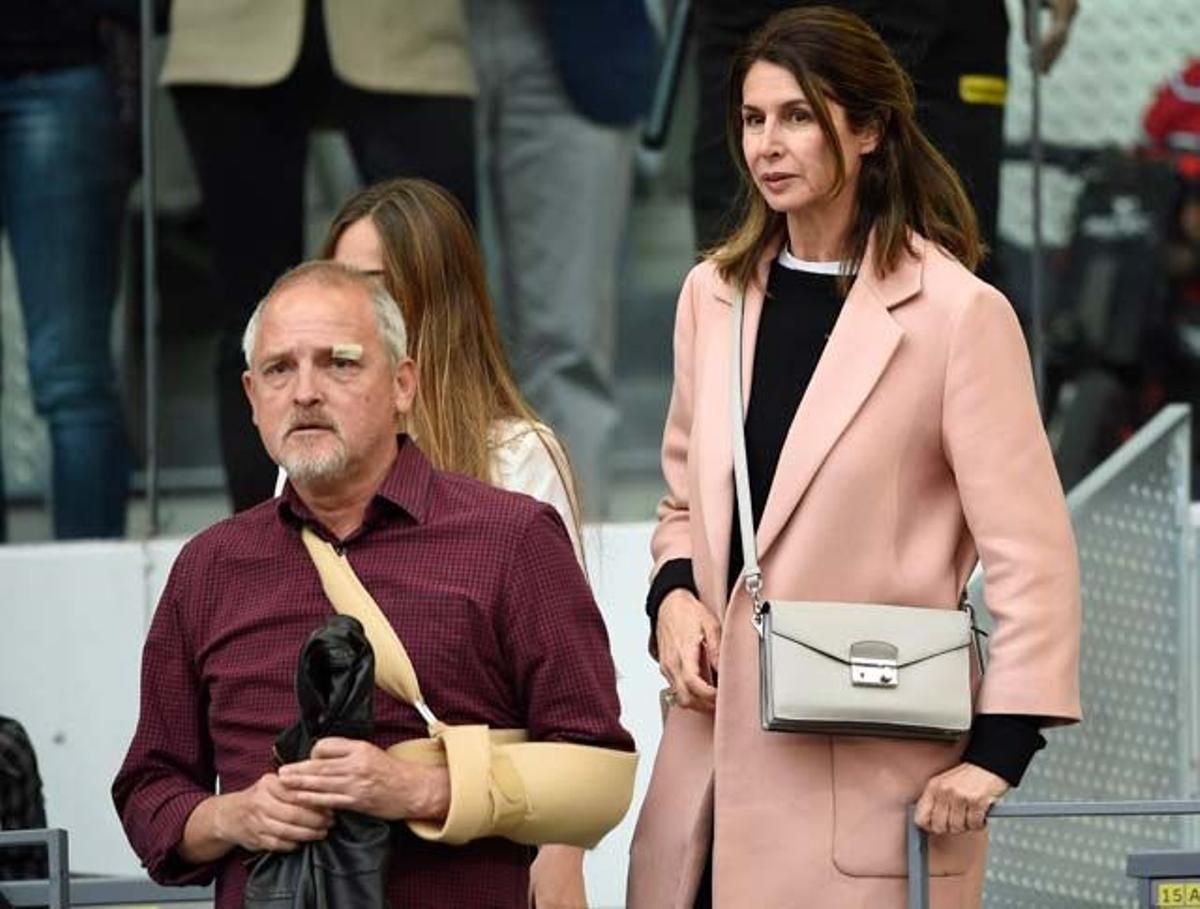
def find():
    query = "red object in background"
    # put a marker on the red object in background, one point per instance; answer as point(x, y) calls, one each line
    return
point(1173, 118)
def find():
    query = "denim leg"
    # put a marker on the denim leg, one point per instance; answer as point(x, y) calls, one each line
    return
point(61, 203)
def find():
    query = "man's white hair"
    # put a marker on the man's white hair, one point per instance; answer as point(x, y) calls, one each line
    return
point(388, 317)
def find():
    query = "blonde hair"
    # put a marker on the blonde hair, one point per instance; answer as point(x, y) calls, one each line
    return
point(433, 268)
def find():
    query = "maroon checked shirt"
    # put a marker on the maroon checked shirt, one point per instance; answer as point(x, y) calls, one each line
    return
point(482, 587)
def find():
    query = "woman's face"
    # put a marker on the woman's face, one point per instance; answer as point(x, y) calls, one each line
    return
point(359, 247)
point(785, 150)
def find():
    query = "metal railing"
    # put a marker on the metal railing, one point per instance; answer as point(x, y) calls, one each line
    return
point(918, 840)
point(60, 891)
point(1140, 738)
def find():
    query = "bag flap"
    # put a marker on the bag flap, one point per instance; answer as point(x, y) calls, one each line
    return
point(918, 633)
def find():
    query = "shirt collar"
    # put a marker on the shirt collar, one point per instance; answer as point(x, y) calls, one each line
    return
point(404, 489)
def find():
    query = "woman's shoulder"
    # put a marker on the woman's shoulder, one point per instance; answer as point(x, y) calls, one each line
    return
point(704, 280)
point(951, 284)
point(518, 445)
point(517, 433)
point(528, 458)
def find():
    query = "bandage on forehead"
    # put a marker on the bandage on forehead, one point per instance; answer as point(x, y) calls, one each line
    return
point(347, 351)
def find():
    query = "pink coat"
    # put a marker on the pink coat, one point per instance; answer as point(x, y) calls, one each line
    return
point(917, 447)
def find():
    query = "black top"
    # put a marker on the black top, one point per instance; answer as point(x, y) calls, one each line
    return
point(39, 35)
point(799, 312)
point(46, 35)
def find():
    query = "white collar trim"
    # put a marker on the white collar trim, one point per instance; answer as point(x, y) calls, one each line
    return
point(787, 260)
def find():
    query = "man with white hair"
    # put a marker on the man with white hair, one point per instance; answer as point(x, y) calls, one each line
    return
point(481, 586)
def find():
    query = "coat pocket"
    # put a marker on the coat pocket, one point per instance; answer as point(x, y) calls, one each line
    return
point(875, 780)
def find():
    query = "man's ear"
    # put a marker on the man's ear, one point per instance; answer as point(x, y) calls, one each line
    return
point(405, 386)
point(248, 387)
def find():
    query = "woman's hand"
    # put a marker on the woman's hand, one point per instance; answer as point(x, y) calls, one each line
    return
point(556, 878)
point(689, 647)
point(958, 799)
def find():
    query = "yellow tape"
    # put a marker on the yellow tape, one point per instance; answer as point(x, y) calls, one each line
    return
point(977, 89)
point(1183, 894)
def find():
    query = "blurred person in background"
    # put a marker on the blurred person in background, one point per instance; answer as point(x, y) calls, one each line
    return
point(956, 54)
point(1171, 125)
point(251, 79)
point(62, 194)
point(21, 804)
point(562, 83)
point(468, 416)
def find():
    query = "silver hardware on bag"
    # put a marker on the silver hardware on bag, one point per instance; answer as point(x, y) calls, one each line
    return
point(874, 664)
point(753, 582)
point(835, 668)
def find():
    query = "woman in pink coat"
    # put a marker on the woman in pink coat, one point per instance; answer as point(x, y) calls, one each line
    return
point(893, 439)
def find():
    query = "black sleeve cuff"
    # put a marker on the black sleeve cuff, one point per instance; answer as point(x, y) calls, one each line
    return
point(674, 574)
point(1004, 743)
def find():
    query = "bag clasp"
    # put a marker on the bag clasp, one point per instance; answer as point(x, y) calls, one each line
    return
point(874, 664)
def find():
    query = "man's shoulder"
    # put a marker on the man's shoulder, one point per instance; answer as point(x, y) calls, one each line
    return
point(251, 530)
point(463, 496)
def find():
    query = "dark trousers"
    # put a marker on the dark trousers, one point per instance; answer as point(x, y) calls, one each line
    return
point(249, 146)
point(936, 41)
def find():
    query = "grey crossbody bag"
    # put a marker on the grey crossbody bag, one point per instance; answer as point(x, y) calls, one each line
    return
point(849, 668)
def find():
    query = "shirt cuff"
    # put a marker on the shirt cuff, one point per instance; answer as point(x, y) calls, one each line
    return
point(1004, 743)
point(673, 575)
point(165, 866)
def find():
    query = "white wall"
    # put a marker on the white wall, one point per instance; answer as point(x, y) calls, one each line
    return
point(72, 619)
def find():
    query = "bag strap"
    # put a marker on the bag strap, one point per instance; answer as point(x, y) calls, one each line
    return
point(394, 671)
point(751, 573)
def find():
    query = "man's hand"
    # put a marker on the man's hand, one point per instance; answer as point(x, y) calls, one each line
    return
point(689, 646)
point(958, 799)
point(351, 775)
point(265, 816)
point(1054, 38)
point(556, 879)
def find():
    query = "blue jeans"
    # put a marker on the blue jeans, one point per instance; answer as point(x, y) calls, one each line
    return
point(60, 204)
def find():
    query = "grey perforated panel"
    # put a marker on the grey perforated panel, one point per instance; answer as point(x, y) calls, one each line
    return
point(1136, 551)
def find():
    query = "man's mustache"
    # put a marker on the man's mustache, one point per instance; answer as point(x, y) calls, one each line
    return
point(310, 420)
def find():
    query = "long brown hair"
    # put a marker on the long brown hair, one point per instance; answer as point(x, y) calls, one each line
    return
point(432, 266)
point(904, 185)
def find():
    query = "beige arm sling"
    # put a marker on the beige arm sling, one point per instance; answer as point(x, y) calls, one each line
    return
point(501, 784)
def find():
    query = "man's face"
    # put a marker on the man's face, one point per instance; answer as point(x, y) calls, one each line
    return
point(324, 396)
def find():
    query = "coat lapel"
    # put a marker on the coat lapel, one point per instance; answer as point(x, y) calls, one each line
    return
point(859, 349)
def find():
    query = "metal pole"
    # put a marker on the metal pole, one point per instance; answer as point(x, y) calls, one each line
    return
point(149, 266)
point(658, 120)
point(918, 863)
point(58, 869)
point(55, 891)
point(1033, 26)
